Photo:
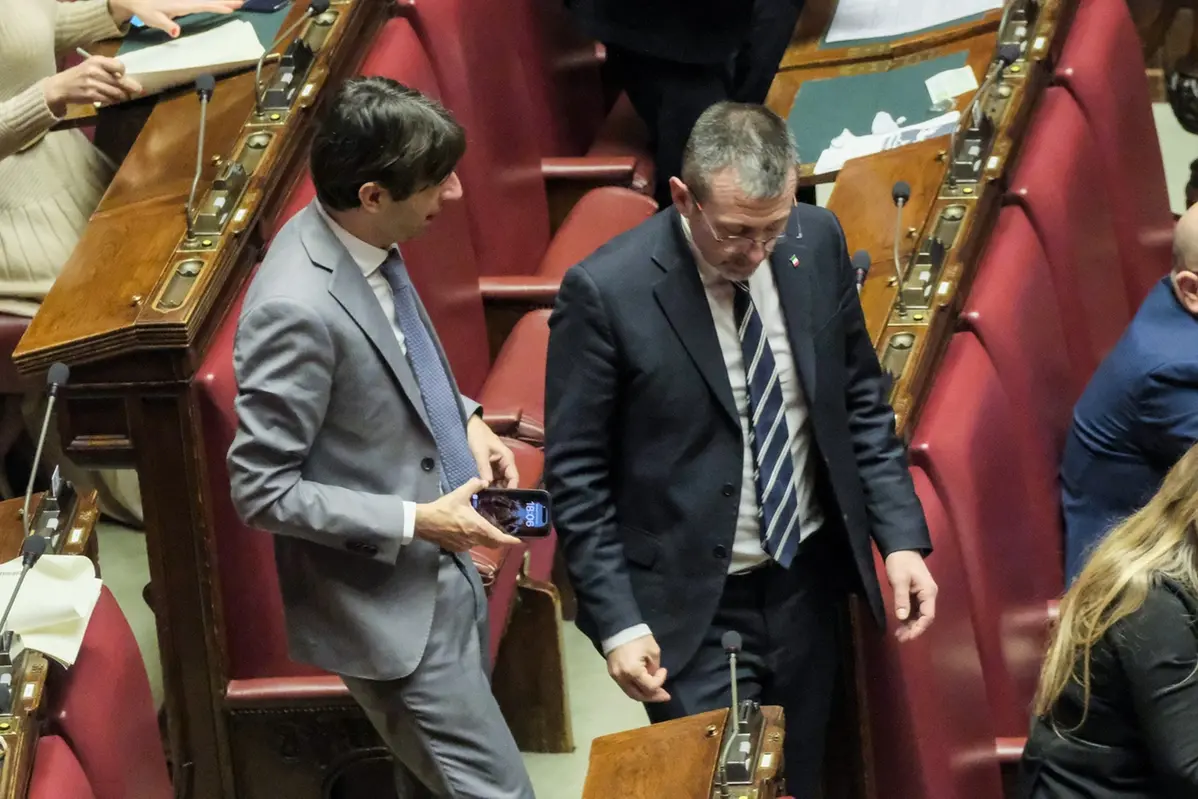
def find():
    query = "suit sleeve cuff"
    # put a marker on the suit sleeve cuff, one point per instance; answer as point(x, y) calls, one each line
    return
point(409, 523)
point(624, 636)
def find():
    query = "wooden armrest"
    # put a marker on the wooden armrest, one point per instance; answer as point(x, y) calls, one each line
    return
point(526, 289)
point(265, 691)
point(1053, 611)
point(1009, 750)
point(617, 170)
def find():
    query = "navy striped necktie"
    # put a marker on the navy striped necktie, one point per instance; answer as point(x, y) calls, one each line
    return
point(777, 492)
point(441, 403)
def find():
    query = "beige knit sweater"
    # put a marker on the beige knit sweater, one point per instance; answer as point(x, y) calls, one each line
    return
point(48, 190)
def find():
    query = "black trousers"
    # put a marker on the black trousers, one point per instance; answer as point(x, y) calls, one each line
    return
point(787, 619)
point(670, 96)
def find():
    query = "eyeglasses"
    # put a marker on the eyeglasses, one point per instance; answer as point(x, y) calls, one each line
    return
point(743, 242)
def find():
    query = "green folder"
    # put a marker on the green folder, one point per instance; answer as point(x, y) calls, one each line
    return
point(824, 108)
point(266, 25)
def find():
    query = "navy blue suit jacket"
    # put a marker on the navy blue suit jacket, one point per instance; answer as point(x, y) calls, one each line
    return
point(1136, 418)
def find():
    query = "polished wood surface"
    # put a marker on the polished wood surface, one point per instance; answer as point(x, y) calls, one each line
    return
point(133, 356)
point(675, 759)
point(19, 729)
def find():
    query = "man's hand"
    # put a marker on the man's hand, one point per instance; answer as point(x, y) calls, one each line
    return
point(452, 523)
point(161, 14)
point(911, 580)
point(636, 667)
point(495, 461)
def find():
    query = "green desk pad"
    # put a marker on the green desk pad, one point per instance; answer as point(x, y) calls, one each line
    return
point(825, 107)
point(944, 26)
point(266, 25)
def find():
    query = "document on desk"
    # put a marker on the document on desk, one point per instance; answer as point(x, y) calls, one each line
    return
point(218, 51)
point(856, 20)
point(887, 134)
point(54, 605)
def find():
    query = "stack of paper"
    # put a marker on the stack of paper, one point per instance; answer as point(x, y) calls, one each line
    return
point(887, 134)
point(857, 20)
point(53, 606)
point(218, 51)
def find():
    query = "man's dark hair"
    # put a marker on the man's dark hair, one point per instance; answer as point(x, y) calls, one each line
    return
point(377, 130)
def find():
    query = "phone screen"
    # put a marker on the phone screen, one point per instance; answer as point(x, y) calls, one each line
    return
point(521, 512)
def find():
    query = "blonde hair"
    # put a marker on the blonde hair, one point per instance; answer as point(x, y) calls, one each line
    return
point(1158, 541)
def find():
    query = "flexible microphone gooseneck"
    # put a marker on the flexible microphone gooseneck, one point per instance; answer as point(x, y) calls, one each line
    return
point(731, 642)
point(56, 378)
point(205, 86)
point(315, 8)
point(1004, 56)
point(901, 193)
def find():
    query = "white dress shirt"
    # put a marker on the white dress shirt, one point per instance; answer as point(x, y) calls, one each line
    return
point(747, 550)
point(369, 258)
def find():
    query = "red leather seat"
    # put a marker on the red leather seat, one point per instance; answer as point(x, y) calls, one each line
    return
point(932, 688)
point(1102, 66)
point(561, 69)
point(1003, 502)
point(102, 708)
point(1015, 314)
point(1057, 183)
point(57, 773)
point(505, 196)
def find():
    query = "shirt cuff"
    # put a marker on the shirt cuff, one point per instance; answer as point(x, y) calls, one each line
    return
point(624, 636)
point(409, 523)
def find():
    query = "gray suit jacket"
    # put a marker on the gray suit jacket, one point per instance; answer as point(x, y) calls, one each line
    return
point(332, 437)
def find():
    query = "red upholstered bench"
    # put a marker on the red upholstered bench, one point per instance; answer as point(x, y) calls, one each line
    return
point(57, 773)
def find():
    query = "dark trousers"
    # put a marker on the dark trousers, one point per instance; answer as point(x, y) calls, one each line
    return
point(787, 620)
point(670, 96)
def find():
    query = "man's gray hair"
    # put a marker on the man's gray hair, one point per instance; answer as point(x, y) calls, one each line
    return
point(750, 139)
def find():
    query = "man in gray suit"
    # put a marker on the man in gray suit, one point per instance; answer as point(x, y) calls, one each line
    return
point(356, 450)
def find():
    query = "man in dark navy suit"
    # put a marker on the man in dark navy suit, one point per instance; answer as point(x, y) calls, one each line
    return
point(719, 446)
point(1139, 413)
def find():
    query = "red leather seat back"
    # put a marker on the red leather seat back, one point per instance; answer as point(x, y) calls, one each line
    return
point(1004, 505)
point(57, 773)
point(561, 75)
point(483, 85)
point(932, 688)
point(1057, 182)
point(1102, 66)
point(103, 709)
point(255, 635)
point(1014, 312)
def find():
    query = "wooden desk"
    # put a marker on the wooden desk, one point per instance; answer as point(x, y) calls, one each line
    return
point(20, 728)
point(133, 312)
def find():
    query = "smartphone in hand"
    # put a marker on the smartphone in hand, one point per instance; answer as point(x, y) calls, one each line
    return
point(521, 512)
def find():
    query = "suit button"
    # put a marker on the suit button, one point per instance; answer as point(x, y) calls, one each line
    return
point(727, 489)
point(720, 552)
point(427, 464)
point(362, 546)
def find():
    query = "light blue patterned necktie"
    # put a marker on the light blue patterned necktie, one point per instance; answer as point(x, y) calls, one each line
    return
point(777, 491)
point(436, 388)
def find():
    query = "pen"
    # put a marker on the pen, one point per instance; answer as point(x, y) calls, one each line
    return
point(84, 54)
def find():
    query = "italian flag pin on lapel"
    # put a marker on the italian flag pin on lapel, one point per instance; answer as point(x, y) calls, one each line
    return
point(794, 261)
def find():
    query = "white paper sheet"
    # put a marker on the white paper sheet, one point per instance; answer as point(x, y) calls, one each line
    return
point(951, 83)
point(875, 19)
point(217, 50)
point(886, 134)
point(54, 605)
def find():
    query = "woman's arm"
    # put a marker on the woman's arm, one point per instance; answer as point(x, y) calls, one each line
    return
point(83, 22)
point(1159, 653)
point(24, 118)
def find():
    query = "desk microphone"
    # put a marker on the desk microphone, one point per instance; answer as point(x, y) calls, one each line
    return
point(205, 86)
point(861, 264)
point(731, 642)
point(901, 193)
point(56, 378)
point(315, 8)
point(32, 549)
point(1004, 56)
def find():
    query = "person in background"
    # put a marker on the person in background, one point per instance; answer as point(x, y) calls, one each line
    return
point(1116, 708)
point(676, 58)
point(719, 448)
point(355, 449)
point(51, 181)
point(1139, 412)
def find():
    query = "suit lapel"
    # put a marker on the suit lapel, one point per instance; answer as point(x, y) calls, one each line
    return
point(683, 300)
point(793, 275)
point(350, 289)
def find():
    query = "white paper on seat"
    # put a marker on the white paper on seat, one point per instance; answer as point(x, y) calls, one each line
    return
point(219, 50)
point(879, 19)
point(54, 605)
